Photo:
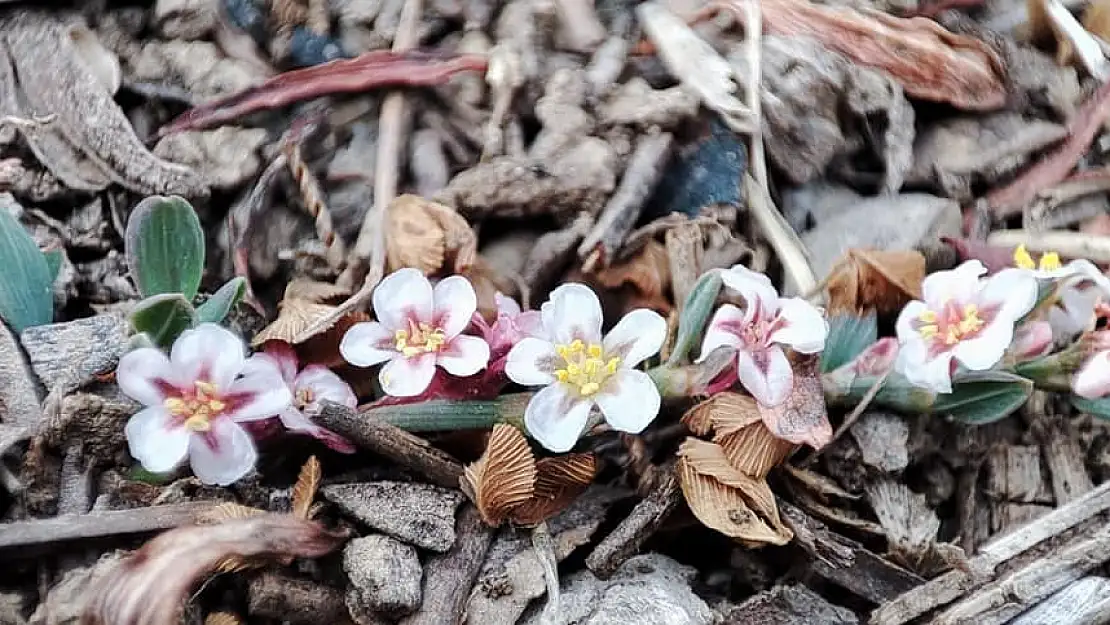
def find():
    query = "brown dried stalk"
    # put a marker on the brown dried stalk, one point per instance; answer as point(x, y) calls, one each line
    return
point(149, 587)
point(373, 70)
point(312, 194)
point(929, 61)
point(1054, 167)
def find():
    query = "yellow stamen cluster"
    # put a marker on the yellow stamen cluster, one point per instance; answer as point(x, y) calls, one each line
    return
point(955, 329)
point(420, 338)
point(199, 408)
point(584, 366)
point(1048, 261)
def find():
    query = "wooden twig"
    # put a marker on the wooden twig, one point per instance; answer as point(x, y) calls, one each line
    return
point(42, 532)
point(448, 578)
point(312, 194)
point(782, 238)
point(390, 441)
point(1069, 244)
point(950, 586)
point(625, 540)
point(645, 168)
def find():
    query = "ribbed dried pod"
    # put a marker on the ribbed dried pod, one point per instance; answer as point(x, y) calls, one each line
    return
point(723, 413)
point(559, 480)
point(427, 235)
point(503, 477)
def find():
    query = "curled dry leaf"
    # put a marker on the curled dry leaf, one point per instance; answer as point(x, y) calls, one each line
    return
point(559, 480)
point(647, 273)
point(803, 417)
point(305, 489)
point(930, 62)
point(150, 586)
point(727, 500)
point(315, 291)
point(294, 317)
point(884, 281)
point(503, 478)
point(723, 414)
point(487, 282)
point(223, 618)
point(754, 450)
point(427, 235)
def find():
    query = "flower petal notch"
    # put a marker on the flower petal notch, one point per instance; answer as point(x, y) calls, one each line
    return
point(418, 328)
point(761, 330)
point(195, 401)
point(963, 319)
point(579, 369)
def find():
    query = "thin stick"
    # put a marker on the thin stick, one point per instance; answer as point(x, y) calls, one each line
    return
point(753, 32)
point(1068, 244)
point(780, 236)
point(41, 532)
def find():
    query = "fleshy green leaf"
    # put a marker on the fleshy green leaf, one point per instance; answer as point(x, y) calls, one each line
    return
point(216, 308)
point(984, 396)
point(1095, 407)
point(53, 263)
point(26, 291)
point(848, 336)
point(163, 317)
point(695, 314)
point(165, 247)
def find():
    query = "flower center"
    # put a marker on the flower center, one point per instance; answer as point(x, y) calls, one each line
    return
point(419, 338)
point(584, 366)
point(952, 324)
point(196, 408)
point(1049, 261)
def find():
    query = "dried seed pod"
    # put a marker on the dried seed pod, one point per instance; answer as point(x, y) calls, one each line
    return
point(503, 478)
point(559, 480)
point(427, 235)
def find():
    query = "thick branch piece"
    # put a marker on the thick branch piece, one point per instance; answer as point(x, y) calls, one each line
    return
point(624, 541)
point(372, 70)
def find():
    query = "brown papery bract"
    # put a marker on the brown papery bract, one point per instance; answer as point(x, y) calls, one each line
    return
point(305, 489)
point(803, 418)
point(723, 414)
point(428, 236)
point(647, 274)
point(150, 586)
point(875, 280)
point(503, 478)
point(559, 480)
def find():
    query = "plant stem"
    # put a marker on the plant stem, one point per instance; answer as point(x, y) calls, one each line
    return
point(445, 415)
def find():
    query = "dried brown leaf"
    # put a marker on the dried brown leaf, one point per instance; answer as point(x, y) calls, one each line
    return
point(559, 481)
point(305, 488)
point(487, 282)
point(875, 280)
point(427, 235)
point(314, 291)
point(1096, 19)
point(803, 418)
point(228, 511)
point(503, 478)
point(223, 618)
point(723, 413)
point(647, 273)
point(710, 459)
point(754, 450)
point(294, 317)
point(930, 62)
point(150, 586)
point(723, 508)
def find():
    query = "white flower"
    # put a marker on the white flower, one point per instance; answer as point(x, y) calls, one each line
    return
point(195, 399)
point(758, 332)
point(418, 327)
point(1081, 285)
point(310, 386)
point(963, 317)
point(579, 369)
point(1093, 378)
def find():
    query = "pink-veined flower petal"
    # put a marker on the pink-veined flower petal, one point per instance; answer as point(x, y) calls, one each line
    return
point(530, 323)
point(455, 303)
point(1032, 340)
point(531, 362)
point(209, 350)
point(932, 373)
point(403, 294)
point(1075, 310)
point(756, 289)
point(903, 327)
point(285, 357)
point(324, 384)
point(766, 374)
point(961, 284)
point(295, 421)
point(572, 312)
point(154, 442)
point(636, 337)
point(408, 377)
point(465, 355)
point(985, 350)
point(1093, 378)
point(223, 454)
point(722, 330)
point(629, 401)
point(260, 393)
point(556, 419)
point(141, 374)
point(1013, 291)
point(506, 305)
point(367, 343)
point(805, 327)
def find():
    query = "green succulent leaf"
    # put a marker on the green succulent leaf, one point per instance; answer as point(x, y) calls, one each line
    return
point(848, 336)
point(26, 291)
point(695, 314)
point(163, 317)
point(53, 263)
point(165, 247)
point(979, 397)
point(216, 308)
point(1095, 407)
